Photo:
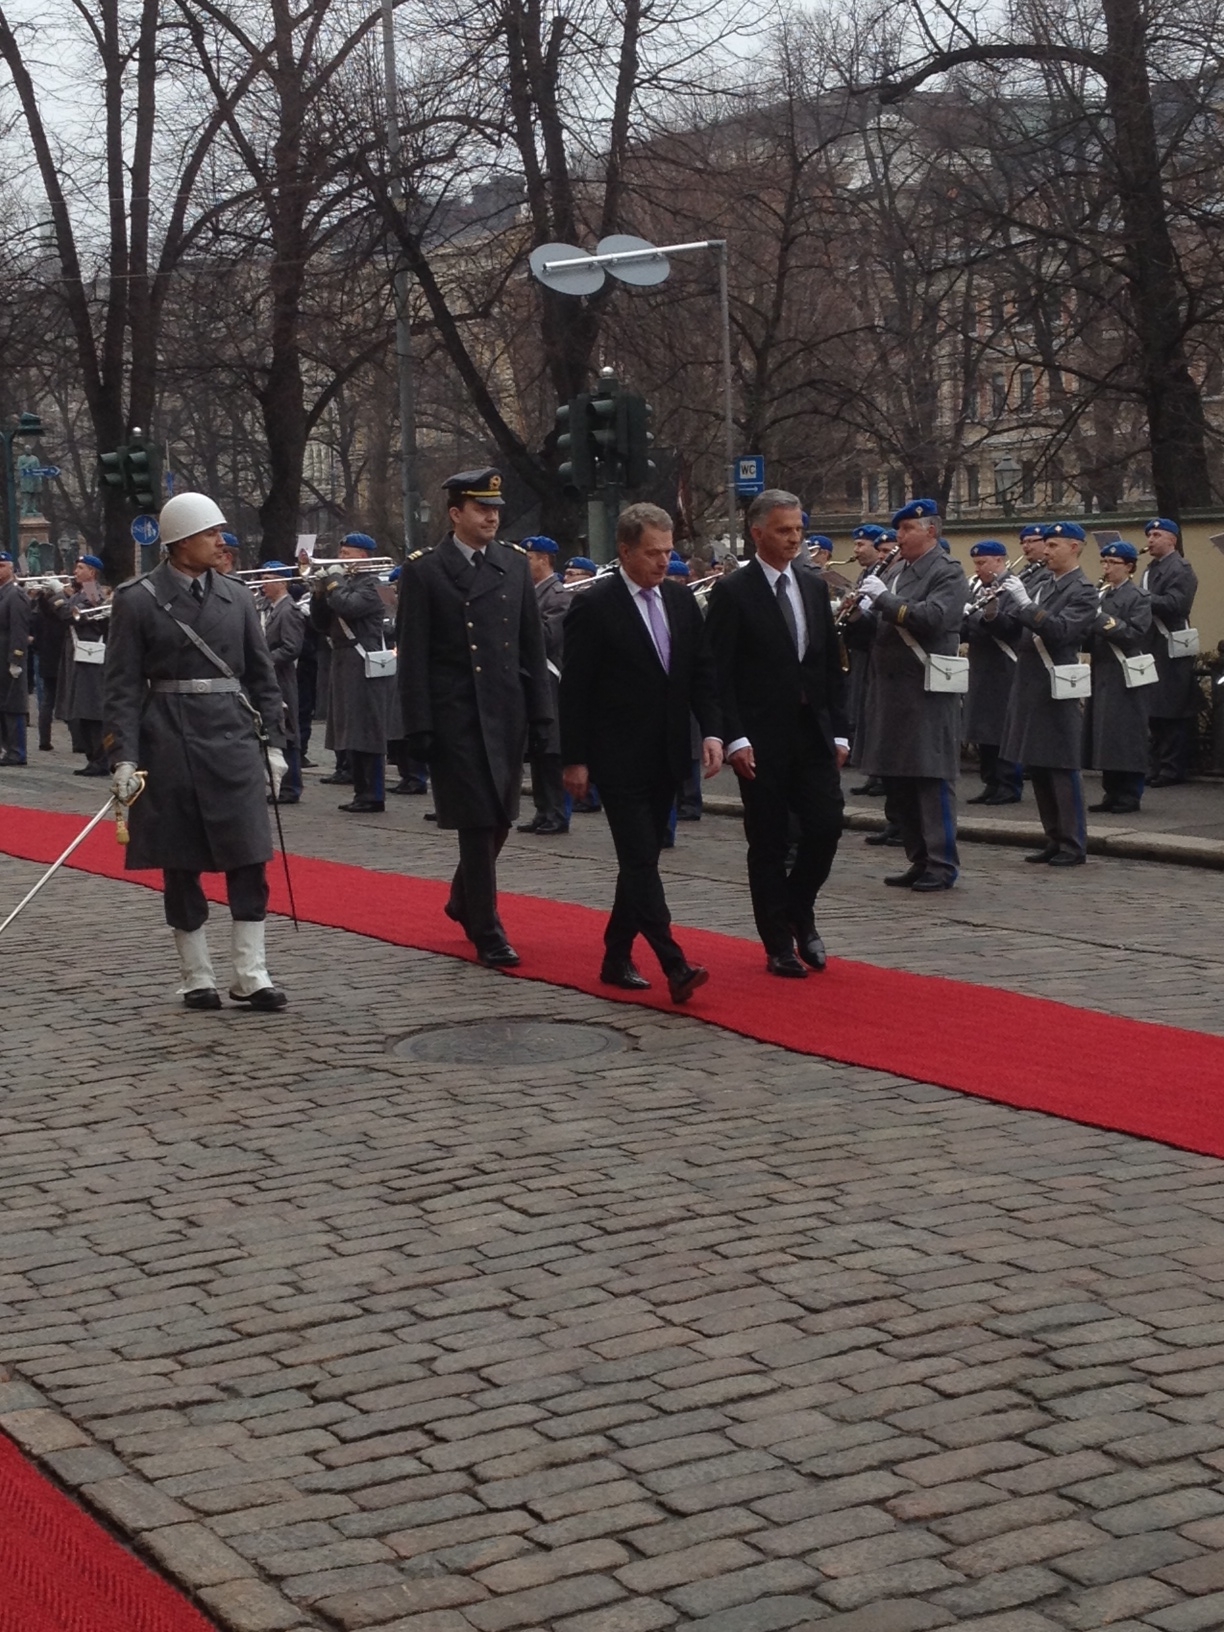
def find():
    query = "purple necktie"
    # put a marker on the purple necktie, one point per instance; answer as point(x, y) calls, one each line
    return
point(658, 627)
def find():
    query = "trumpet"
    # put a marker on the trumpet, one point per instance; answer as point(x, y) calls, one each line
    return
point(45, 577)
point(992, 590)
point(317, 567)
point(90, 614)
point(850, 604)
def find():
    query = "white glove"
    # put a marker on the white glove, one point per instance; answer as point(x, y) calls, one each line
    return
point(1017, 591)
point(51, 586)
point(870, 587)
point(15, 670)
point(125, 784)
point(280, 770)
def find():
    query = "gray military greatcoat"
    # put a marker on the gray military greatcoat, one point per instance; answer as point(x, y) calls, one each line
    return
point(554, 602)
point(358, 708)
point(473, 676)
point(78, 691)
point(992, 668)
point(204, 808)
point(909, 731)
point(1116, 717)
point(1171, 583)
point(284, 630)
point(1040, 731)
point(16, 613)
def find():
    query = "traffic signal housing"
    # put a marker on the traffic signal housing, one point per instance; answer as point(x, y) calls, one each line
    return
point(634, 439)
point(144, 475)
point(112, 469)
point(577, 470)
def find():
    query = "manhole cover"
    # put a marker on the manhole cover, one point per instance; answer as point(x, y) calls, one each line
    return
point(509, 1042)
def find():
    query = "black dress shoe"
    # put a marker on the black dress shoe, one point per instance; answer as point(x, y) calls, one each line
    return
point(498, 955)
point(46, 747)
point(683, 982)
point(84, 770)
point(586, 807)
point(1066, 858)
point(267, 1000)
point(787, 965)
point(533, 826)
point(905, 880)
point(1106, 804)
point(8, 761)
point(204, 997)
point(1001, 798)
point(982, 798)
point(334, 781)
point(1048, 854)
point(409, 784)
point(811, 948)
point(1125, 807)
point(456, 917)
point(873, 787)
point(1163, 781)
point(309, 764)
point(928, 883)
point(625, 975)
point(889, 835)
point(363, 807)
point(546, 826)
point(284, 799)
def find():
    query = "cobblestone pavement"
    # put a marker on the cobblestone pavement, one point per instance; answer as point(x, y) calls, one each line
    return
point(691, 1332)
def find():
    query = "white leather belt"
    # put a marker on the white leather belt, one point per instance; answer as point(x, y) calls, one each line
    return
point(194, 687)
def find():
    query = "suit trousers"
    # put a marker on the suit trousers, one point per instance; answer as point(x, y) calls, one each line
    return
point(1170, 748)
point(804, 783)
point(547, 789)
point(186, 906)
point(369, 775)
point(13, 738)
point(47, 688)
point(473, 897)
point(1060, 804)
point(639, 815)
point(924, 809)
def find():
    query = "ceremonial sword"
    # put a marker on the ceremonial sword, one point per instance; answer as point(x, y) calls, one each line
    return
point(59, 862)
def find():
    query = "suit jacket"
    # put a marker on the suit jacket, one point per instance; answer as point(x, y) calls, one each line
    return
point(622, 714)
point(763, 687)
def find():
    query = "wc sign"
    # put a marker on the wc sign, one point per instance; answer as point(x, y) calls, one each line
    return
point(750, 475)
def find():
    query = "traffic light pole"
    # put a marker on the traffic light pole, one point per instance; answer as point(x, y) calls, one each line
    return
point(403, 328)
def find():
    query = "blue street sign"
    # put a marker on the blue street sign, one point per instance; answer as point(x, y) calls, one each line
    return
point(750, 475)
point(47, 472)
point(145, 530)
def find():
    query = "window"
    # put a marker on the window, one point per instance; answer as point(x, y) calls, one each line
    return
point(896, 490)
point(1027, 392)
point(873, 494)
point(1028, 482)
point(854, 490)
point(1058, 486)
point(998, 394)
point(973, 490)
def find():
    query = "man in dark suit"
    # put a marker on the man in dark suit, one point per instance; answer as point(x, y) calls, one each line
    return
point(637, 664)
point(782, 691)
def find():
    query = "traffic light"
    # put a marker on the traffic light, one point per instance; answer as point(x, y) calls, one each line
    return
point(577, 472)
point(144, 484)
point(604, 413)
point(112, 468)
point(633, 440)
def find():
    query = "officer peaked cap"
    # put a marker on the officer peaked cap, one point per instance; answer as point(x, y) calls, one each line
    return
point(482, 485)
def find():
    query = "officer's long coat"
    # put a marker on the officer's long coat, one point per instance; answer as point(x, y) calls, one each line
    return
point(1116, 717)
point(78, 691)
point(358, 708)
point(284, 630)
point(204, 807)
point(554, 602)
point(16, 614)
point(473, 676)
point(991, 671)
point(909, 731)
point(1040, 731)
point(1172, 585)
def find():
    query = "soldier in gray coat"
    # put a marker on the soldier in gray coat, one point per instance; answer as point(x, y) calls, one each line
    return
point(1116, 720)
point(912, 736)
point(992, 668)
point(871, 546)
point(1171, 583)
point(284, 628)
point(476, 692)
point(189, 686)
point(548, 795)
point(347, 608)
point(1033, 547)
point(1043, 734)
point(78, 691)
point(16, 614)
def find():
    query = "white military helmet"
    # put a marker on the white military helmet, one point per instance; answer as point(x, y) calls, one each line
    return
point(188, 513)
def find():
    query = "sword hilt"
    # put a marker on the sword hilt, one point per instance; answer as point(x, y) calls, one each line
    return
point(122, 806)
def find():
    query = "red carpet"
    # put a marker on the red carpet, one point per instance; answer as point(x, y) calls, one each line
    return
point(61, 1572)
point(1157, 1081)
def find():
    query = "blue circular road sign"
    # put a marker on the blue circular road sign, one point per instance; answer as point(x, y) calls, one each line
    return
point(145, 530)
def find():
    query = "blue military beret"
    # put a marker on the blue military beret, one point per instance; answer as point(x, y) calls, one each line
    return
point(945, 546)
point(989, 546)
point(1119, 551)
point(230, 540)
point(5, 556)
point(1064, 529)
point(677, 568)
point(1165, 525)
point(820, 541)
point(582, 562)
point(277, 569)
point(804, 515)
point(360, 541)
point(393, 577)
point(1031, 529)
point(94, 561)
point(887, 536)
point(916, 510)
point(540, 543)
point(870, 530)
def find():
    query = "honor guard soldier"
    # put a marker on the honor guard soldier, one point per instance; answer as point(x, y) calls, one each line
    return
point(476, 692)
point(912, 737)
point(1045, 723)
point(16, 613)
point(78, 699)
point(347, 608)
point(547, 789)
point(1171, 584)
point(992, 668)
point(1116, 722)
point(284, 630)
point(191, 699)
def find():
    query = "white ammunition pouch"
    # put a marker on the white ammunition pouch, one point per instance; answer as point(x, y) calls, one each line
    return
point(87, 651)
point(1137, 671)
point(1068, 681)
point(379, 663)
point(1180, 642)
point(940, 673)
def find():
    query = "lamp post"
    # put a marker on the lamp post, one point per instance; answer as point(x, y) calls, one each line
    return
point(29, 427)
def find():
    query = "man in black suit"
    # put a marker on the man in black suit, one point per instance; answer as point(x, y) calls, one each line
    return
point(783, 699)
point(637, 665)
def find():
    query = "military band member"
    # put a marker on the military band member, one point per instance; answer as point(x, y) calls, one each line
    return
point(1042, 733)
point(547, 789)
point(992, 668)
point(347, 608)
point(912, 737)
point(284, 629)
point(1171, 584)
point(1116, 720)
point(476, 694)
point(870, 545)
point(578, 568)
point(78, 697)
point(16, 613)
point(188, 686)
point(1033, 546)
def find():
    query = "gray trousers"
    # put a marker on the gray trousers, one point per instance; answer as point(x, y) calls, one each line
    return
point(1060, 804)
point(924, 809)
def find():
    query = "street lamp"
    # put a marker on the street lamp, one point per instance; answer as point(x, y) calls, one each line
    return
point(29, 427)
point(1007, 475)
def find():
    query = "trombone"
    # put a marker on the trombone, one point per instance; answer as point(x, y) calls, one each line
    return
point(253, 576)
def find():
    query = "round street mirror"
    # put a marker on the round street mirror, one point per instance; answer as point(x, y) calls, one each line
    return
point(577, 280)
point(643, 272)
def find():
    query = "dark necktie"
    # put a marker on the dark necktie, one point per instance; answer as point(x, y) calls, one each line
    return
point(787, 610)
point(197, 589)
